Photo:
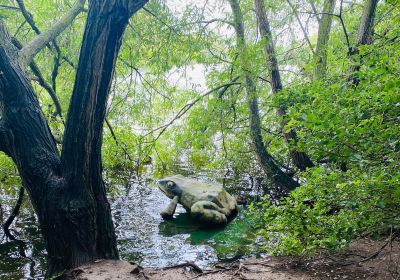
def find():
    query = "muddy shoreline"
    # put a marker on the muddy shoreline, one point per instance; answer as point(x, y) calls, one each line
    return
point(364, 259)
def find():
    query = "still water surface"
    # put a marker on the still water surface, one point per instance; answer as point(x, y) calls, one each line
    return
point(143, 237)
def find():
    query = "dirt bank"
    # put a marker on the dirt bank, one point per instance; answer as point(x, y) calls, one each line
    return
point(364, 259)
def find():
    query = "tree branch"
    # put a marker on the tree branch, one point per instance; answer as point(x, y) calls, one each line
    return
point(186, 108)
point(121, 145)
point(42, 82)
point(9, 7)
point(301, 25)
point(315, 11)
point(14, 214)
point(29, 51)
point(27, 15)
point(29, 19)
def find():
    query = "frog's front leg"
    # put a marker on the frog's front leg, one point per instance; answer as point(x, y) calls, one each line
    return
point(209, 212)
point(168, 212)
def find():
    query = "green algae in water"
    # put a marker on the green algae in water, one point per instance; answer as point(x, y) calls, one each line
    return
point(234, 241)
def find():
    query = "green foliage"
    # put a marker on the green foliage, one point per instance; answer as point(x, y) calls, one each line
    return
point(329, 210)
point(10, 181)
point(341, 125)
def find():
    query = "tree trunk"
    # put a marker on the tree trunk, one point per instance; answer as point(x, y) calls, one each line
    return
point(67, 192)
point(364, 36)
point(323, 38)
point(365, 31)
point(299, 159)
point(280, 179)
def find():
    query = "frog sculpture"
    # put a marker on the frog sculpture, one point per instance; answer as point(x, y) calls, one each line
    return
point(208, 203)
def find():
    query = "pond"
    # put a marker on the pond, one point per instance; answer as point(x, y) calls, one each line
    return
point(143, 236)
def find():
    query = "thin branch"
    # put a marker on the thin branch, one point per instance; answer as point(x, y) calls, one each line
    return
point(29, 18)
point(14, 214)
point(9, 7)
point(143, 78)
point(315, 11)
point(55, 48)
point(301, 25)
point(117, 142)
point(187, 107)
point(340, 17)
point(159, 19)
point(344, 27)
point(27, 15)
point(42, 82)
point(29, 51)
point(19, 28)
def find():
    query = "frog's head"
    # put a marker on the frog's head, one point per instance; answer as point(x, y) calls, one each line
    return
point(169, 188)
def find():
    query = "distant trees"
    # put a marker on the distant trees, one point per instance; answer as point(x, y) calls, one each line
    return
point(300, 159)
point(364, 36)
point(323, 39)
point(280, 179)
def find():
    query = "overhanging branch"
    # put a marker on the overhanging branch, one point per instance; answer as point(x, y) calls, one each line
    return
point(42, 82)
point(29, 51)
point(187, 107)
point(54, 48)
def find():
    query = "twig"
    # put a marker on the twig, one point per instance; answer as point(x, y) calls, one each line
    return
point(186, 108)
point(116, 140)
point(186, 264)
point(301, 25)
point(374, 255)
point(42, 82)
point(13, 215)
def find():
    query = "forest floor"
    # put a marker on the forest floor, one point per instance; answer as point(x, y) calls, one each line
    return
point(364, 259)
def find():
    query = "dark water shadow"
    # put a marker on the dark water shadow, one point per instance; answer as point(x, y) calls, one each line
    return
point(183, 223)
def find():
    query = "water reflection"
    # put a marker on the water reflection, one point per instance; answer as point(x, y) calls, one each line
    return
point(184, 224)
point(143, 236)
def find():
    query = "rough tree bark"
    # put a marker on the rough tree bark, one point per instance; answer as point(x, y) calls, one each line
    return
point(300, 159)
point(280, 179)
point(66, 192)
point(364, 36)
point(323, 38)
point(365, 31)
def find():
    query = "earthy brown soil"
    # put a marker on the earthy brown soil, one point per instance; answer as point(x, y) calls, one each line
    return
point(364, 259)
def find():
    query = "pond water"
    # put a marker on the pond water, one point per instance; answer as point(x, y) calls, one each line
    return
point(143, 237)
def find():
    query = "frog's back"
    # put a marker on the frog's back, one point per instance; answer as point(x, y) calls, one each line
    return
point(193, 190)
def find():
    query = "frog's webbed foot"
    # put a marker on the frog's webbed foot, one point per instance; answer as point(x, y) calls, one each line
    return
point(209, 212)
point(168, 212)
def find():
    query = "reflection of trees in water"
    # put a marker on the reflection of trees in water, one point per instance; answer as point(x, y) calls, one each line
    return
point(184, 224)
point(22, 255)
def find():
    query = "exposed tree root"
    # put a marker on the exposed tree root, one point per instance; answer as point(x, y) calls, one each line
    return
point(14, 214)
point(187, 264)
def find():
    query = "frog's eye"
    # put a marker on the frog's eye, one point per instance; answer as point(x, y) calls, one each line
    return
point(170, 184)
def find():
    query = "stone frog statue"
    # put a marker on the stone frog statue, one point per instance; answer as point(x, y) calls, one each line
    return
point(208, 203)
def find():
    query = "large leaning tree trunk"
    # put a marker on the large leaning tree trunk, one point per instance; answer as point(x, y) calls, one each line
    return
point(67, 191)
point(324, 30)
point(300, 159)
point(280, 179)
point(364, 36)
